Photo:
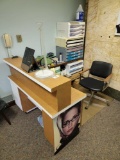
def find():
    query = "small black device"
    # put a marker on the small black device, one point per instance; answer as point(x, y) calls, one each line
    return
point(50, 55)
point(28, 63)
point(14, 57)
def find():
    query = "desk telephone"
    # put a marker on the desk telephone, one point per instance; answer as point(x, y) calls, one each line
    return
point(7, 40)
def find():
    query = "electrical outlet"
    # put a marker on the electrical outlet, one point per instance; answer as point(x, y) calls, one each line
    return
point(19, 38)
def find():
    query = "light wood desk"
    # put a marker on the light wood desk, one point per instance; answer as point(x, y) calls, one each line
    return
point(51, 96)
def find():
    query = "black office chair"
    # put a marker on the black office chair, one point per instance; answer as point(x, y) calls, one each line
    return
point(98, 79)
point(3, 106)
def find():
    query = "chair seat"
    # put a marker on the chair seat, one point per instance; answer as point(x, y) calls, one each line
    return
point(92, 84)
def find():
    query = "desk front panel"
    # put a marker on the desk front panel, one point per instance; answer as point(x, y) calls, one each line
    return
point(57, 99)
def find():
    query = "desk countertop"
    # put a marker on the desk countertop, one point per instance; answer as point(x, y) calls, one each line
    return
point(50, 84)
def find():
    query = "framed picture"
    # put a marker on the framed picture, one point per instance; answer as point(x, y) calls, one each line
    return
point(117, 27)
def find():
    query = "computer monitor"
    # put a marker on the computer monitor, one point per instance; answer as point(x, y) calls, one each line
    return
point(28, 63)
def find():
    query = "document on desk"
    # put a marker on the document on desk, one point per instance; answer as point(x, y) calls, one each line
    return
point(55, 76)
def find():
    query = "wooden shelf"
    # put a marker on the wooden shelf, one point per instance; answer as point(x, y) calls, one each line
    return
point(64, 63)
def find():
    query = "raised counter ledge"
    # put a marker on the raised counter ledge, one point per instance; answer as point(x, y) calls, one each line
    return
point(50, 84)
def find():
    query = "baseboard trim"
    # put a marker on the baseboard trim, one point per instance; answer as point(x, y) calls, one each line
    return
point(112, 93)
point(12, 103)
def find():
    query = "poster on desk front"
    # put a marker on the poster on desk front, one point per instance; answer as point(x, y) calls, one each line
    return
point(66, 126)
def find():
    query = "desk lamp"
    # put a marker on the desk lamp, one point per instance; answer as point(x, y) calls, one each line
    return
point(44, 73)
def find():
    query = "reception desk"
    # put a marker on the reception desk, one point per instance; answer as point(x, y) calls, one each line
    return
point(52, 96)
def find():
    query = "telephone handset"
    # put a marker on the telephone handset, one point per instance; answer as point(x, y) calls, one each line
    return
point(7, 40)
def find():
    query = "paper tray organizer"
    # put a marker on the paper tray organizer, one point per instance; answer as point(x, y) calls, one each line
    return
point(70, 29)
point(71, 48)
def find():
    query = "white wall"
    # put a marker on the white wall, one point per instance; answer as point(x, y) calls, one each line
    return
point(21, 17)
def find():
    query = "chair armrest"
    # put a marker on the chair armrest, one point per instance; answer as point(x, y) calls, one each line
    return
point(107, 79)
point(85, 70)
point(81, 73)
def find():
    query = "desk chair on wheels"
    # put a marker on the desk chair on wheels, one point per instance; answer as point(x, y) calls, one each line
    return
point(3, 106)
point(98, 79)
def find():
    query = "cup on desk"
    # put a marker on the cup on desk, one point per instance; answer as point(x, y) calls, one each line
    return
point(63, 72)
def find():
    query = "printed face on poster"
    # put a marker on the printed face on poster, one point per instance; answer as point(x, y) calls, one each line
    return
point(117, 31)
point(66, 126)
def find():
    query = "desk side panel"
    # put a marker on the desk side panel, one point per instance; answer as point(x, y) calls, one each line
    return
point(26, 103)
point(64, 95)
point(48, 128)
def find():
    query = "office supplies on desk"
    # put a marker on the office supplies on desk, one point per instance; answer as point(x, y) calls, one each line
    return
point(69, 55)
point(40, 60)
point(74, 67)
point(71, 48)
point(14, 57)
point(45, 73)
point(50, 55)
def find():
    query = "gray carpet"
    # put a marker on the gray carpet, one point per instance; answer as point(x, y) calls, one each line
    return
point(99, 138)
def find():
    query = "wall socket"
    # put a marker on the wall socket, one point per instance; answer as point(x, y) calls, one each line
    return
point(19, 38)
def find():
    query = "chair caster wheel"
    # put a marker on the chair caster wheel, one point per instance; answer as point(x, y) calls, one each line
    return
point(108, 104)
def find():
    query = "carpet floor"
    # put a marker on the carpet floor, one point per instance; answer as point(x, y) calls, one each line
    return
point(99, 138)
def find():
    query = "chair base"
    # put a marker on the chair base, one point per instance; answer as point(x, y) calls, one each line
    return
point(97, 97)
point(90, 100)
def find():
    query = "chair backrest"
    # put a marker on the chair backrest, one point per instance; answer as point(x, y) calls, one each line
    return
point(101, 69)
